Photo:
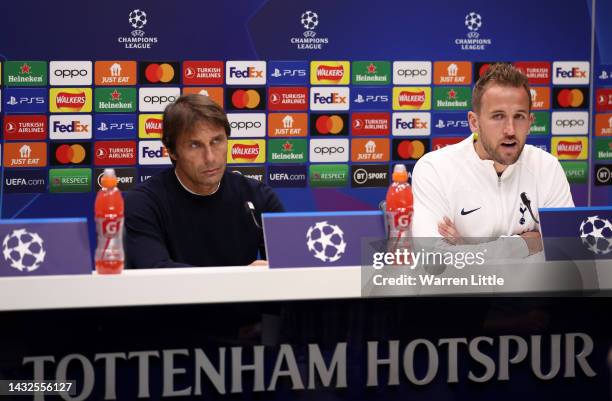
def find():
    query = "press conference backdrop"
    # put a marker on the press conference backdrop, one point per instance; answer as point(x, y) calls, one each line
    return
point(323, 97)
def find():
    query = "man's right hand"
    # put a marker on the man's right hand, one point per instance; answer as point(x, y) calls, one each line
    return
point(533, 240)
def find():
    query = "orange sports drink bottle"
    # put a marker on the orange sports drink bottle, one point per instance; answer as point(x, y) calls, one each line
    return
point(399, 207)
point(109, 255)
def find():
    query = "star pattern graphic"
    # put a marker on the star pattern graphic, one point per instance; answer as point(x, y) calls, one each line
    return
point(116, 95)
point(371, 68)
point(25, 68)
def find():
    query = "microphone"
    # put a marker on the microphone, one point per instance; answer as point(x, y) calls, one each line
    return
point(250, 208)
point(527, 203)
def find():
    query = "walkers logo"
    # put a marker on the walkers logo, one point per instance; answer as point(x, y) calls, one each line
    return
point(412, 72)
point(329, 124)
point(287, 124)
point(152, 153)
point(538, 73)
point(115, 100)
point(150, 126)
point(365, 124)
point(115, 153)
point(452, 73)
point(473, 41)
point(287, 176)
point(137, 19)
point(570, 98)
point(126, 178)
point(370, 150)
point(452, 98)
point(70, 100)
point(441, 142)
point(370, 175)
point(246, 151)
point(156, 99)
point(329, 98)
point(411, 124)
point(245, 72)
point(245, 98)
point(254, 172)
point(288, 73)
point(570, 148)
point(371, 73)
point(245, 125)
point(329, 150)
point(407, 149)
point(25, 154)
point(539, 142)
point(541, 123)
point(215, 94)
point(115, 126)
point(22, 100)
point(603, 149)
point(540, 97)
point(25, 181)
point(203, 73)
point(450, 123)
point(65, 73)
point(25, 73)
point(70, 153)
point(288, 98)
point(70, 126)
point(115, 73)
point(571, 73)
point(159, 73)
point(603, 124)
point(69, 180)
point(568, 122)
point(603, 174)
point(370, 98)
point(603, 100)
point(329, 175)
point(412, 98)
point(25, 127)
point(287, 151)
point(330, 72)
point(309, 20)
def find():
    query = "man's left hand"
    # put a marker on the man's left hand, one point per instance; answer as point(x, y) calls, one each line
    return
point(447, 229)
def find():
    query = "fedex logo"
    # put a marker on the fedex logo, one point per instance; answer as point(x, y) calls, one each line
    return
point(571, 73)
point(245, 72)
point(329, 98)
point(152, 153)
point(72, 126)
point(411, 124)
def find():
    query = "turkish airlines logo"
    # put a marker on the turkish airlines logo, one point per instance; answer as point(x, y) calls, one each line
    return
point(329, 98)
point(120, 153)
point(370, 124)
point(603, 99)
point(571, 73)
point(26, 127)
point(70, 73)
point(288, 98)
point(203, 73)
point(245, 72)
point(538, 73)
point(244, 125)
point(70, 126)
point(569, 123)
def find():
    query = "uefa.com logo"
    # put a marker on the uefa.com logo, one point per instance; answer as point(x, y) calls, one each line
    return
point(137, 19)
point(472, 42)
point(309, 40)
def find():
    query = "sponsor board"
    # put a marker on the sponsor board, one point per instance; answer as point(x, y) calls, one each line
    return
point(409, 149)
point(126, 178)
point(144, 173)
point(328, 175)
point(371, 73)
point(24, 181)
point(25, 73)
point(245, 99)
point(329, 150)
point(370, 150)
point(115, 73)
point(69, 180)
point(540, 97)
point(481, 67)
point(539, 142)
point(369, 175)
point(245, 125)
point(70, 100)
point(203, 72)
point(215, 94)
point(541, 123)
point(25, 127)
point(452, 98)
point(570, 73)
point(287, 98)
point(70, 126)
point(253, 172)
point(603, 174)
point(288, 73)
point(153, 153)
point(159, 73)
point(70, 73)
point(537, 72)
point(287, 176)
point(603, 100)
point(245, 72)
point(329, 98)
point(115, 126)
point(570, 98)
point(370, 98)
point(115, 100)
point(25, 154)
point(411, 124)
point(603, 149)
point(604, 75)
point(452, 73)
point(156, 99)
point(115, 153)
point(287, 150)
point(450, 123)
point(70, 154)
point(603, 124)
point(570, 148)
point(329, 124)
point(287, 124)
point(442, 142)
point(150, 126)
point(25, 100)
point(576, 172)
point(570, 122)
point(330, 72)
point(412, 98)
point(412, 73)
point(241, 151)
point(366, 124)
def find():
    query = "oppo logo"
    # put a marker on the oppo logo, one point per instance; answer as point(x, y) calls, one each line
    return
point(412, 72)
point(71, 73)
point(329, 150)
point(159, 99)
point(245, 124)
point(569, 123)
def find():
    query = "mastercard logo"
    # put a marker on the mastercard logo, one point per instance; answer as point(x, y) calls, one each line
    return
point(409, 149)
point(155, 73)
point(246, 99)
point(70, 154)
point(329, 124)
point(570, 98)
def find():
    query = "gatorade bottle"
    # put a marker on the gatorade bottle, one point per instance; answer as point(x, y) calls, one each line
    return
point(109, 255)
point(399, 205)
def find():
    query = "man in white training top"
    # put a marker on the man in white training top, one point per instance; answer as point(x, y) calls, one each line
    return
point(473, 189)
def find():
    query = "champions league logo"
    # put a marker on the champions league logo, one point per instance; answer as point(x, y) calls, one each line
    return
point(596, 235)
point(326, 241)
point(23, 250)
point(309, 21)
point(138, 40)
point(473, 22)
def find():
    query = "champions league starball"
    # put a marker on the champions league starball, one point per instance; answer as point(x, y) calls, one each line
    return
point(309, 20)
point(138, 19)
point(23, 250)
point(596, 235)
point(326, 241)
point(473, 21)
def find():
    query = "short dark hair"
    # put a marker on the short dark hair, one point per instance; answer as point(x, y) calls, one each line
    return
point(503, 74)
point(186, 113)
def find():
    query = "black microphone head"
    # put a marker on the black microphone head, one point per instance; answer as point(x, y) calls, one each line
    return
point(524, 198)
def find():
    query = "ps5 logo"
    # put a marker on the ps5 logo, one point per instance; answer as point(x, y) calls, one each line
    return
point(371, 99)
point(103, 127)
point(277, 73)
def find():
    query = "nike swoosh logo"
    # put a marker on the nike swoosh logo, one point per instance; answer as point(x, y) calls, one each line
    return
point(463, 212)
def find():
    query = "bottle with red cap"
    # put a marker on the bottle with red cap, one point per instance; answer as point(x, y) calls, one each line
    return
point(399, 206)
point(109, 256)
